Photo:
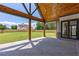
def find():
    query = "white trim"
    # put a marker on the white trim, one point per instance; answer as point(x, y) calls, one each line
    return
point(74, 16)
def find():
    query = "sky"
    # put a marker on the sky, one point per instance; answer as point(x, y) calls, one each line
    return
point(9, 19)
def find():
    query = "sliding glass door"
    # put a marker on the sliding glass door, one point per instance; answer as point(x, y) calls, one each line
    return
point(69, 29)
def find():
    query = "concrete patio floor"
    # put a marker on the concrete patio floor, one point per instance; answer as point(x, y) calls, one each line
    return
point(41, 47)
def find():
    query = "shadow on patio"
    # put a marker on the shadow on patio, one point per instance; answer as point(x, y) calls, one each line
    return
point(42, 47)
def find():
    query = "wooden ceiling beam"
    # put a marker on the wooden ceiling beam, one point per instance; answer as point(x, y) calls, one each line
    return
point(18, 13)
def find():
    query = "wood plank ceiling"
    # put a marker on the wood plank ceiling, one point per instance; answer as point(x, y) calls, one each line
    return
point(52, 11)
point(48, 11)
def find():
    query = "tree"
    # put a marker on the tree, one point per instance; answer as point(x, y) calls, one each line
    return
point(51, 25)
point(39, 26)
point(14, 27)
point(48, 26)
point(2, 27)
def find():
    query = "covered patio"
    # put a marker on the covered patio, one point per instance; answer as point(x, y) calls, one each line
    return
point(43, 46)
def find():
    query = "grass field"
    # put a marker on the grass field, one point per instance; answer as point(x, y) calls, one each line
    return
point(17, 36)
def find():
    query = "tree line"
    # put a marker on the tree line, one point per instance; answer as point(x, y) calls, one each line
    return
point(39, 26)
point(3, 27)
point(48, 26)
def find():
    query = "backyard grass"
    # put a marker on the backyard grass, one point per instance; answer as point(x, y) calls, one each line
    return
point(17, 36)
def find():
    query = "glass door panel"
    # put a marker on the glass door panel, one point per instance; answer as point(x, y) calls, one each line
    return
point(65, 29)
point(73, 29)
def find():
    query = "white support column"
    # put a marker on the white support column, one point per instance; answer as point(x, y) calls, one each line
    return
point(58, 29)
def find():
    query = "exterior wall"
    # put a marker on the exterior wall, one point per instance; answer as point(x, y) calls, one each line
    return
point(23, 27)
point(69, 17)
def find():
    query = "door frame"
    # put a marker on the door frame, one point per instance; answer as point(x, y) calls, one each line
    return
point(77, 28)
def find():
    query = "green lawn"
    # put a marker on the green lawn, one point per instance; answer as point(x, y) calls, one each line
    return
point(17, 36)
point(53, 35)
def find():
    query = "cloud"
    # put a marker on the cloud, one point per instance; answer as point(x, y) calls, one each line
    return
point(8, 24)
point(13, 23)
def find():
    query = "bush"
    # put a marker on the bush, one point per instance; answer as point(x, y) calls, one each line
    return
point(2, 27)
point(14, 27)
